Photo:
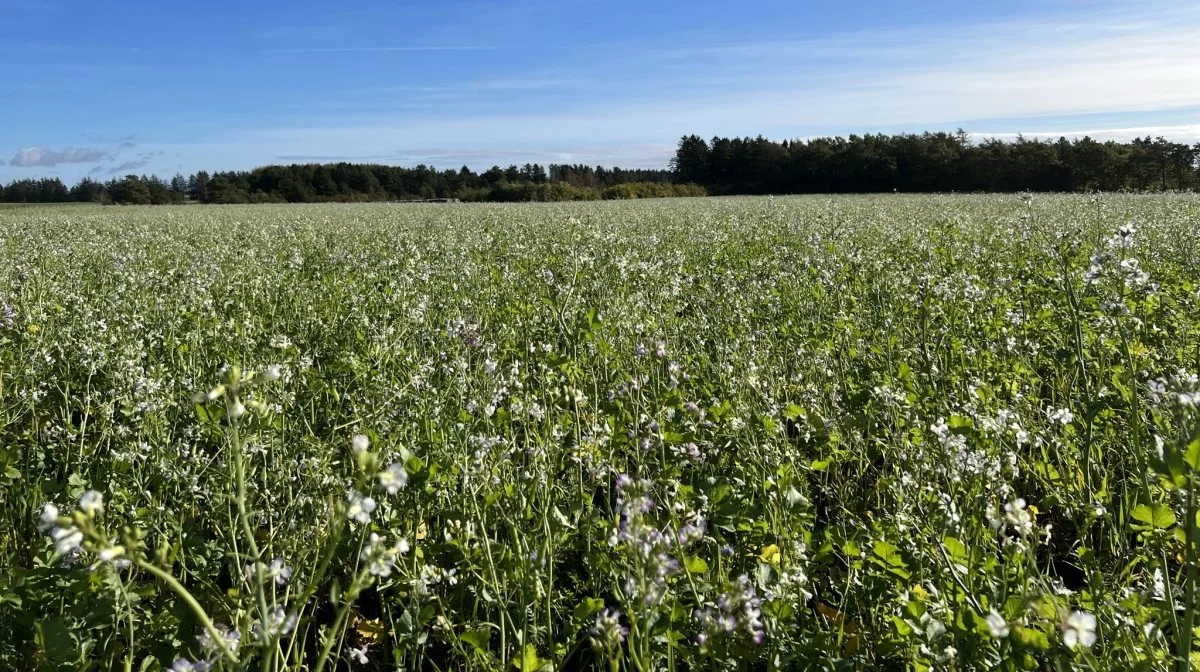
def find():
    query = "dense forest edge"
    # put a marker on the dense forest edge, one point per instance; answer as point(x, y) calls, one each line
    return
point(921, 163)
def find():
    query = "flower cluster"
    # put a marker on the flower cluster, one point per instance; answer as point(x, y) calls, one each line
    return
point(607, 634)
point(379, 557)
point(652, 548)
point(80, 531)
point(1016, 516)
point(737, 610)
point(8, 316)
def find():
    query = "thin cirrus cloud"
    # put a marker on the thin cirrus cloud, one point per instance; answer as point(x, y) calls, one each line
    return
point(39, 157)
point(1187, 133)
point(1132, 59)
point(1117, 73)
point(128, 166)
point(627, 156)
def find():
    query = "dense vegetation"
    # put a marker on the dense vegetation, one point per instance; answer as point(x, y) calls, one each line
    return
point(932, 162)
point(344, 182)
point(892, 432)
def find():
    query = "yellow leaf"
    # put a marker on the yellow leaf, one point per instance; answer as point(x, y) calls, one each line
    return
point(770, 554)
point(369, 630)
point(849, 629)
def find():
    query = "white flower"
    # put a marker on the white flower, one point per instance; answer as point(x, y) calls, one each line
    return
point(934, 629)
point(232, 638)
point(279, 571)
point(359, 655)
point(1062, 416)
point(1079, 628)
point(48, 518)
point(1018, 517)
point(91, 503)
point(394, 478)
point(66, 539)
point(279, 623)
point(1160, 585)
point(358, 507)
point(111, 553)
point(380, 558)
point(361, 443)
point(997, 625)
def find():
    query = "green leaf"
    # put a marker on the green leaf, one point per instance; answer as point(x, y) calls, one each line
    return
point(56, 640)
point(1158, 516)
point(851, 550)
point(889, 554)
point(961, 422)
point(589, 607)
point(955, 548)
point(529, 660)
point(1030, 639)
point(478, 639)
point(1192, 454)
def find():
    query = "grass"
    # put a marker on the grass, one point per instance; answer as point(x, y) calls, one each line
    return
point(895, 432)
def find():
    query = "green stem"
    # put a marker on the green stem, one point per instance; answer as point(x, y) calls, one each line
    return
point(1189, 612)
point(213, 633)
point(239, 460)
point(332, 635)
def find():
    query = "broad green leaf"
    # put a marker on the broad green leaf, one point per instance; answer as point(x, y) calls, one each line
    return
point(889, 554)
point(588, 607)
point(1192, 454)
point(529, 660)
point(55, 639)
point(1030, 639)
point(1158, 516)
point(955, 548)
point(478, 638)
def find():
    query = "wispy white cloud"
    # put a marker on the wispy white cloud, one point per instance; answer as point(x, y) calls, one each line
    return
point(385, 49)
point(128, 166)
point(1132, 59)
point(626, 156)
point(1128, 64)
point(30, 157)
point(1186, 133)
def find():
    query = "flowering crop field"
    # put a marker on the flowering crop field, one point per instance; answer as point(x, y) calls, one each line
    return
point(894, 432)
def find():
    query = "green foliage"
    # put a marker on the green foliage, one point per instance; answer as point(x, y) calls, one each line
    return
point(933, 162)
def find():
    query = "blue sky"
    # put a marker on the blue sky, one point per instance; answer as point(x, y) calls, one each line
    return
point(110, 88)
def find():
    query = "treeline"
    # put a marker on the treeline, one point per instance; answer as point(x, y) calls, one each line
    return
point(933, 162)
point(346, 182)
point(929, 162)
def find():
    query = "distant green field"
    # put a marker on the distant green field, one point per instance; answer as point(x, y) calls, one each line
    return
point(884, 432)
point(46, 205)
